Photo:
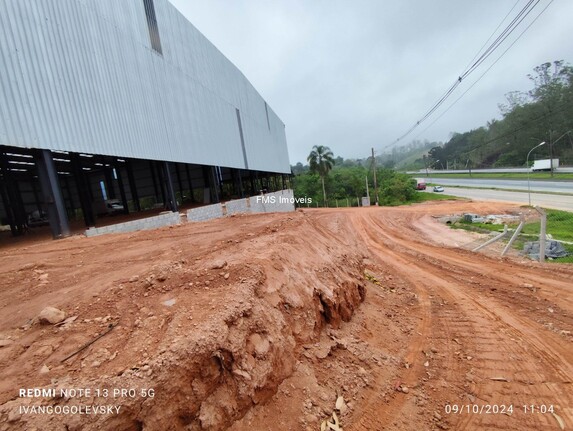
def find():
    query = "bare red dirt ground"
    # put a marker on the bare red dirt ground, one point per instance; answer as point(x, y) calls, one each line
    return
point(275, 322)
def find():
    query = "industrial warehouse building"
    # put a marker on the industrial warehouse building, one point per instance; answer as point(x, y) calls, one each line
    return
point(121, 106)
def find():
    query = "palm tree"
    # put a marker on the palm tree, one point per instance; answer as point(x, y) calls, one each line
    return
point(321, 161)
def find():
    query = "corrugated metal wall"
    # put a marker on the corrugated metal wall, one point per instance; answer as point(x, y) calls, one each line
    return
point(80, 75)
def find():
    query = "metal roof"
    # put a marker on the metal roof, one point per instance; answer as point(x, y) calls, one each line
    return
point(82, 76)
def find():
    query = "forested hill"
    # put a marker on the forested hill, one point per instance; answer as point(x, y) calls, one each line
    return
point(545, 113)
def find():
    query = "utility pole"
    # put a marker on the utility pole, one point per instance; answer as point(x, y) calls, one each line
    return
point(374, 169)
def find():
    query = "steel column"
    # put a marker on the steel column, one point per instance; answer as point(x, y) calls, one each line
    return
point(171, 198)
point(84, 192)
point(190, 182)
point(132, 185)
point(12, 199)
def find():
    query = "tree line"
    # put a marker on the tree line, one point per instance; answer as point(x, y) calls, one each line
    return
point(331, 181)
point(544, 113)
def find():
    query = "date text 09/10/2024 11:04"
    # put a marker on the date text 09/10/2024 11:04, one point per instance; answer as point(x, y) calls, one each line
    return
point(507, 409)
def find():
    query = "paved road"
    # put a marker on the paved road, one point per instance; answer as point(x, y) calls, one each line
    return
point(539, 186)
point(562, 202)
point(481, 171)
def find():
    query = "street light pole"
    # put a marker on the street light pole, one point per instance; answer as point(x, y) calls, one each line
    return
point(527, 164)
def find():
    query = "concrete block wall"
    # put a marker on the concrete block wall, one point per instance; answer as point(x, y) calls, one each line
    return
point(206, 212)
point(167, 219)
point(257, 205)
point(284, 201)
point(281, 201)
point(238, 206)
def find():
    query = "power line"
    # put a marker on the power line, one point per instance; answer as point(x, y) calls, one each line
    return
point(491, 35)
point(510, 28)
point(503, 36)
point(485, 72)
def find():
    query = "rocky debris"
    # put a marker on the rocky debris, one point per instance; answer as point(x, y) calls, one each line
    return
point(218, 264)
point(258, 344)
point(170, 302)
point(341, 404)
point(97, 358)
point(323, 350)
point(5, 342)
point(51, 315)
point(241, 373)
point(67, 322)
point(27, 266)
point(44, 369)
point(43, 351)
point(14, 415)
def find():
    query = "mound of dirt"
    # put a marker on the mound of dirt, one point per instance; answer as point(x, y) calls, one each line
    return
point(372, 319)
point(194, 341)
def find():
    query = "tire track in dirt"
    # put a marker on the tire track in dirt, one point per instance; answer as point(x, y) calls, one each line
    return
point(463, 264)
point(379, 411)
point(425, 256)
point(522, 326)
point(464, 259)
point(495, 356)
point(492, 354)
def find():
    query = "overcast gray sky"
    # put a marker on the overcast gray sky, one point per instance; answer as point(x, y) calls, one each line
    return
point(358, 74)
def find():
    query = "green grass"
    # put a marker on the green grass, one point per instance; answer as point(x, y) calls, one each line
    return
point(559, 226)
point(567, 259)
point(423, 197)
point(480, 227)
